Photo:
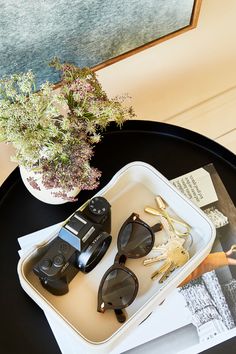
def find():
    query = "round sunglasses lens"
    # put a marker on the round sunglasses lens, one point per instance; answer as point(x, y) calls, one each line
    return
point(135, 240)
point(119, 289)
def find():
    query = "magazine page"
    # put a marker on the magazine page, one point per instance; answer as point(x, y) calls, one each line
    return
point(211, 297)
point(202, 312)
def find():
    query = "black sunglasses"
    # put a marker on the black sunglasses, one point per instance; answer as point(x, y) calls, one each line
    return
point(119, 285)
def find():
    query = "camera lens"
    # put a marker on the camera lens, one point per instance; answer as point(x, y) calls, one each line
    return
point(94, 252)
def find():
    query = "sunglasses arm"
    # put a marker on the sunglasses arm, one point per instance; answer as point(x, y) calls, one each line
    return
point(157, 227)
point(120, 315)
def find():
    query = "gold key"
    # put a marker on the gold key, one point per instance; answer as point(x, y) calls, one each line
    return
point(150, 261)
point(179, 256)
point(174, 256)
point(167, 273)
point(162, 270)
point(172, 250)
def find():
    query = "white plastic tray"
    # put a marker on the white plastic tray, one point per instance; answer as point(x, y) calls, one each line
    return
point(130, 190)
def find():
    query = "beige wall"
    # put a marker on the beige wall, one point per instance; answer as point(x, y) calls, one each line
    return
point(189, 80)
point(183, 71)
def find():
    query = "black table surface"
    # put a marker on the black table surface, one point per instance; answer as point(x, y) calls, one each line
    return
point(171, 150)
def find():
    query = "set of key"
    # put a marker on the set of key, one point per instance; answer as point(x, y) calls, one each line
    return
point(172, 253)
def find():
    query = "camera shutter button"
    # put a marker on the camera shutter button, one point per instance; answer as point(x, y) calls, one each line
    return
point(58, 260)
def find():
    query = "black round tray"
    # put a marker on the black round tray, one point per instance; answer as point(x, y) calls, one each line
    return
point(170, 149)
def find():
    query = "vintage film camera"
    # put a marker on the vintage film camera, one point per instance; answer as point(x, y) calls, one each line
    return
point(80, 245)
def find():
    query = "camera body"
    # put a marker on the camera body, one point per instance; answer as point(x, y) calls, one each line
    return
point(80, 245)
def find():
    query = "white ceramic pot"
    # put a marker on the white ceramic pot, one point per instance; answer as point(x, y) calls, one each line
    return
point(43, 194)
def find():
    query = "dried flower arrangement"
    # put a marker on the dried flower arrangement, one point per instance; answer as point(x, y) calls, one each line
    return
point(57, 145)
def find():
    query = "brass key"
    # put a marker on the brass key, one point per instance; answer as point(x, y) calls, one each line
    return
point(174, 256)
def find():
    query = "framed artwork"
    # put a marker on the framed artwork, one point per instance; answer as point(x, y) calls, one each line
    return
point(93, 33)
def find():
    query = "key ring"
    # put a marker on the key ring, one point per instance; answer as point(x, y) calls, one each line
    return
point(161, 211)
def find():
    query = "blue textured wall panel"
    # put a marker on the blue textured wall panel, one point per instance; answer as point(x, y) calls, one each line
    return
point(84, 32)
